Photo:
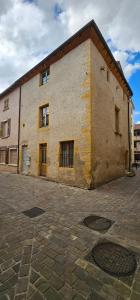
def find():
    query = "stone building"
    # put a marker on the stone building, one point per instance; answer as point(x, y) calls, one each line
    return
point(137, 142)
point(74, 120)
point(9, 130)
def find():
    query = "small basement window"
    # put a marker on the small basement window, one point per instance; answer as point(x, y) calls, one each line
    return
point(67, 154)
point(44, 116)
point(44, 77)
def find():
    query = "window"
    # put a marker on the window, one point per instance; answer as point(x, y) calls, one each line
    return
point(13, 156)
point(44, 76)
point(2, 156)
point(66, 154)
point(6, 104)
point(5, 128)
point(108, 75)
point(135, 144)
point(44, 116)
point(117, 112)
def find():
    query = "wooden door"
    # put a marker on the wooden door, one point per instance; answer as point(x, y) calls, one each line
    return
point(43, 159)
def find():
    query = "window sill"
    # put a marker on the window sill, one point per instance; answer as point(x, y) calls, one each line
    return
point(5, 108)
point(117, 133)
point(12, 165)
point(5, 137)
point(68, 168)
point(45, 127)
point(4, 164)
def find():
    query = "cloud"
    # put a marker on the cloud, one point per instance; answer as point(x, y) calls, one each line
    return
point(30, 29)
point(137, 113)
point(138, 122)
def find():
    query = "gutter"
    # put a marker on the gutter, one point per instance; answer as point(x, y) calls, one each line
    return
point(18, 159)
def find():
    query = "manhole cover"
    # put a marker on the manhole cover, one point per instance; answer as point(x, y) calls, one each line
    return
point(33, 212)
point(114, 259)
point(97, 223)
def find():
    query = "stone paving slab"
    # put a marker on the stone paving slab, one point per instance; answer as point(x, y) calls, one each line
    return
point(46, 257)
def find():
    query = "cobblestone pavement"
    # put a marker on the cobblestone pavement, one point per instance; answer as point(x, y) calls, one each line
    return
point(45, 257)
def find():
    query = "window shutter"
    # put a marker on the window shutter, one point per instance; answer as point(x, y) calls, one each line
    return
point(9, 127)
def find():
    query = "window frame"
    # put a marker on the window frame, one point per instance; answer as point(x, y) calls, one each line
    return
point(41, 116)
point(3, 149)
point(6, 106)
point(66, 160)
point(47, 72)
point(9, 163)
point(8, 121)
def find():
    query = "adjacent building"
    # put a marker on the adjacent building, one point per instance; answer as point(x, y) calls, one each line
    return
point(9, 131)
point(137, 142)
point(74, 114)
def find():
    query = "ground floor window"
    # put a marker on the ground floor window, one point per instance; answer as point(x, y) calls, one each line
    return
point(13, 155)
point(2, 156)
point(66, 154)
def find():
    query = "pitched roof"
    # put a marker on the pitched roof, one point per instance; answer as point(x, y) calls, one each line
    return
point(89, 31)
point(136, 126)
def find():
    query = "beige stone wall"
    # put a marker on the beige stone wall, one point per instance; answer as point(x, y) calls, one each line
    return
point(68, 95)
point(108, 149)
point(13, 114)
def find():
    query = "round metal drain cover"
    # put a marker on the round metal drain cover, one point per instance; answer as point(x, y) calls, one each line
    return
point(97, 223)
point(114, 259)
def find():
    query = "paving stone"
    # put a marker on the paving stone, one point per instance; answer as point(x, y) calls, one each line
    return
point(24, 270)
point(51, 294)
point(31, 291)
point(37, 296)
point(42, 285)
point(135, 296)
point(22, 285)
point(3, 297)
point(16, 267)
point(34, 276)
point(95, 296)
point(56, 282)
point(67, 291)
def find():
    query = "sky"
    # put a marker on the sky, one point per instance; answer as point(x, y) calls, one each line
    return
point(31, 29)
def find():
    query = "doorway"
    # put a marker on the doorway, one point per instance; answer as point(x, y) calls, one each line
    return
point(43, 159)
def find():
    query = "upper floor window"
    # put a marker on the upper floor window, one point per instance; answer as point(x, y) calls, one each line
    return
point(117, 120)
point(44, 76)
point(6, 104)
point(44, 116)
point(5, 128)
point(66, 154)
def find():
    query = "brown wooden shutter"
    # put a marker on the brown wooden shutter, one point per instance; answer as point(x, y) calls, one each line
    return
point(9, 127)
